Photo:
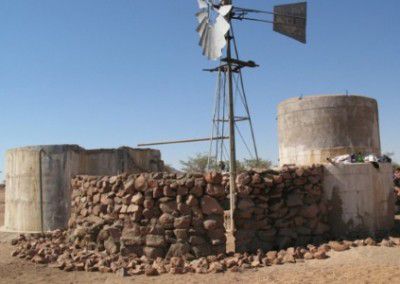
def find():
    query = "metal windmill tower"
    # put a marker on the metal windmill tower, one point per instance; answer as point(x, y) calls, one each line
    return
point(215, 28)
point(216, 32)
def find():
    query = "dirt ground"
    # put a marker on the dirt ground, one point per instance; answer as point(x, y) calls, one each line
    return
point(359, 265)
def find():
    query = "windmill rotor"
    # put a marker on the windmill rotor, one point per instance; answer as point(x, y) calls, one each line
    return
point(212, 33)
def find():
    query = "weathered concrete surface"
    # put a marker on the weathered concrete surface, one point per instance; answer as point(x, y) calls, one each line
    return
point(361, 197)
point(38, 180)
point(121, 160)
point(314, 128)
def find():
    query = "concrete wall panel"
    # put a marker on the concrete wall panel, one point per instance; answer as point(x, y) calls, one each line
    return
point(361, 197)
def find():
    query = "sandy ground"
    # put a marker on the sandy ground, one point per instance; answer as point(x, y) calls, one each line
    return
point(359, 265)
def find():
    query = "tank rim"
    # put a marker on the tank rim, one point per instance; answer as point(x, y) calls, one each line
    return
point(332, 96)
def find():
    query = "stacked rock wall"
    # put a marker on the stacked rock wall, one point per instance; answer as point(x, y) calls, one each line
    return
point(165, 215)
point(276, 210)
point(156, 215)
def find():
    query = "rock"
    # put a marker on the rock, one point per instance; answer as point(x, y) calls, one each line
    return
point(181, 234)
point(148, 203)
point(321, 229)
point(294, 199)
point(243, 179)
point(184, 209)
point(133, 208)
point(244, 190)
point(245, 203)
point(197, 191)
point(111, 246)
point(155, 241)
point(137, 199)
point(178, 250)
point(370, 242)
point(168, 207)
point(320, 255)
point(153, 253)
point(151, 271)
point(386, 243)
point(191, 201)
point(215, 190)
point(210, 224)
point(121, 272)
point(288, 258)
point(129, 185)
point(310, 212)
point(336, 246)
point(210, 206)
point(196, 240)
point(216, 267)
point(182, 222)
point(168, 191)
point(271, 255)
point(213, 177)
point(177, 261)
point(141, 183)
point(396, 241)
point(308, 255)
point(201, 250)
point(167, 220)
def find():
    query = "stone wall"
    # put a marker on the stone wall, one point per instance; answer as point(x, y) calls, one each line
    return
point(276, 210)
point(165, 215)
point(156, 215)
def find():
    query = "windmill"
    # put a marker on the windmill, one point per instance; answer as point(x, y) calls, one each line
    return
point(215, 29)
point(216, 32)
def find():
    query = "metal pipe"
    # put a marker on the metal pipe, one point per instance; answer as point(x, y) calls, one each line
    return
point(182, 141)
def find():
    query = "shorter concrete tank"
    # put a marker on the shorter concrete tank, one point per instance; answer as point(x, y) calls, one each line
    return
point(312, 129)
point(38, 180)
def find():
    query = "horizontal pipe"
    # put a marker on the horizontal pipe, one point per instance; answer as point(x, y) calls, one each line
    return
point(182, 141)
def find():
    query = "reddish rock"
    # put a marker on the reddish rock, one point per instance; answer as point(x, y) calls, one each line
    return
point(213, 177)
point(210, 206)
point(336, 246)
point(243, 179)
point(182, 222)
point(215, 190)
point(141, 183)
point(151, 271)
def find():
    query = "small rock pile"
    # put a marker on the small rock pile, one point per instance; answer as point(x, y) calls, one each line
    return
point(54, 249)
point(276, 210)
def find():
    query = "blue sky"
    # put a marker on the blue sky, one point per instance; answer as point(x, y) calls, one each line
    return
point(103, 73)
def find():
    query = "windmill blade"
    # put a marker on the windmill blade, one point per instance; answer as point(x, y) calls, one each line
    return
point(224, 10)
point(212, 35)
point(200, 29)
point(202, 4)
point(203, 14)
point(290, 20)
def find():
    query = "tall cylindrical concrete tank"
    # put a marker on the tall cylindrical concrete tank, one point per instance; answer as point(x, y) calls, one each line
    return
point(38, 186)
point(312, 129)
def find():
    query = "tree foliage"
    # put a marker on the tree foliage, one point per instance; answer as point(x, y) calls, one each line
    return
point(198, 164)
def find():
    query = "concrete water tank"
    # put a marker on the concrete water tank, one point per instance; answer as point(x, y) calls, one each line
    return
point(38, 179)
point(312, 129)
